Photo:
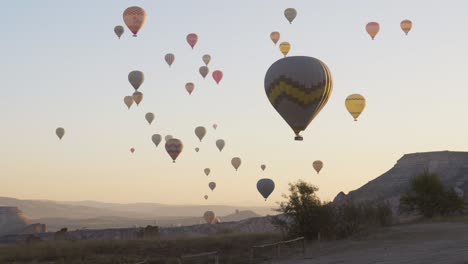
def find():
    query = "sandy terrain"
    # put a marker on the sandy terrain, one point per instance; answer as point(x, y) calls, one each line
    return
point(418, 243)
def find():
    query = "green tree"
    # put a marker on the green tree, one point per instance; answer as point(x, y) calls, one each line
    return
point(428, 196)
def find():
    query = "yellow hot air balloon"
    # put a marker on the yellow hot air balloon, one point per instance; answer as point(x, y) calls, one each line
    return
point(318, 165)
point(275, 36)
point(285, 47)
point(406, 26)
point(290, 14)
point(355, 104)
point(298, 87)
point(372, 29)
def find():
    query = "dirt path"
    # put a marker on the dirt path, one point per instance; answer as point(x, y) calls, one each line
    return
point(419, 243)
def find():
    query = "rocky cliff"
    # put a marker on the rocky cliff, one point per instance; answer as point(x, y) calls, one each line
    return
point(13, 221)
point(452, 167)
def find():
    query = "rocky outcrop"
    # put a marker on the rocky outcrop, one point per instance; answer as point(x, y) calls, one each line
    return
point(452, 167)
point(13, 221)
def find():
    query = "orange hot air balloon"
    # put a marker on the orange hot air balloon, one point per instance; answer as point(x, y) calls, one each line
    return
point(132, 150)
point(134, 17)
point(189, 87)
point(192, 39)
point(217, 76)
point(406, 26)
point(275, 36)
point(372, 29)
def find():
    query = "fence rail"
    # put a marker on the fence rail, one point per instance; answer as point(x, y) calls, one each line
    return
point(277, 247)
point(204, 254)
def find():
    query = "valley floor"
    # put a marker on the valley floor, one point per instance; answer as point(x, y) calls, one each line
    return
point(445, 243)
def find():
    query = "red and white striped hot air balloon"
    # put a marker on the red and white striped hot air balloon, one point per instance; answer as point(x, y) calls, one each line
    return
point(134, 17)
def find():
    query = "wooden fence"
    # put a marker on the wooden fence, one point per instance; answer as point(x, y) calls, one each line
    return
point(204, 254)
point(277, 248)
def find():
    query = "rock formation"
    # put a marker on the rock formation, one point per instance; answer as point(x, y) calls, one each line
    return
point(452, 168)
point(13, 221)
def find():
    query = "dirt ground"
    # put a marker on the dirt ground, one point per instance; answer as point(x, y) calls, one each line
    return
point(445, 243)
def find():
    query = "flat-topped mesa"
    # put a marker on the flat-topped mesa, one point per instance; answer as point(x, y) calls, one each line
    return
point(13, 221)
point(451, 167)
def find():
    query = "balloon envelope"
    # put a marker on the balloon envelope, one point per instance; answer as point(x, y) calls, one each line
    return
point(149, 117)
point(136, 79)
point(265, 187)
point(200, 132)
point(137, 97)
point(406, 26)
point(169, 58)
point(204, 71)
point(132, 150)
point(236, 162)
point(206, 59)
point(298, 87)
point(318, 165)
point(128, 100)
point(212, 185)
point(290, 14)
point(217, 76)
point(197, 149)
point(372, 29)
point(134, 17)
point(285, 47)
point(174, 147)
point(220, 144)
point(166, 138)
point(119, 30)
point(263, 167)
point(206, 197)
point(215, 126)
point(60, 132)
point(355, 104)
point(207, 171)
point(192, 39)
point(156, 138)
point(189, 87)
point(209, 216)
point(275, 36)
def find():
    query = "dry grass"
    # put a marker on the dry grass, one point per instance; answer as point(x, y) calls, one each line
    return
point(233, 249)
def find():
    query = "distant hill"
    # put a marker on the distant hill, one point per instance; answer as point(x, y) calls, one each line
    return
point(452, 167)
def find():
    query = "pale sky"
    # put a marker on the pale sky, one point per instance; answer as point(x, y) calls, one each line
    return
point(62, 65)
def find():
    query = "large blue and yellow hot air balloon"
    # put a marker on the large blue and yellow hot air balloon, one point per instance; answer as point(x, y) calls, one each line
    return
point(298, 87)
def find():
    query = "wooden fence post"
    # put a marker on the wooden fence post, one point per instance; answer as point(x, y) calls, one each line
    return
point(251, 255)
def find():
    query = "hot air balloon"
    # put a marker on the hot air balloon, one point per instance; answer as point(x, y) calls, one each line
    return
point(128, 100)
point(137, 97)
point(372, 29)
point(220, 144)
point(166, 138)
point(149, 117)
point(206, 197)
point(212, 185)
point(206, 59)
point(169, 58)
point(275, 36)
point(189, 87)
point(290, 14)
point(204, 71)
point(174, 147)
point(209, 216)
point(298, 88)
point(215, 126)
point(136, 79)
point(156, 138)
point(406, 26)
point(265, 187)
point(60, 132)
point(200, 132)
point(132, 150)
point(263, 167)
point(192, 39)
point(318, 165)
point(119, 30)
point(134, 17)
point(207, 171)
point(217, 76)
point(236, 162)
point(355, 104)
point(197, 149)
point(285, 47)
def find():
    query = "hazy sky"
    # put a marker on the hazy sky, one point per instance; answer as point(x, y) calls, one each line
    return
point(62, 65)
